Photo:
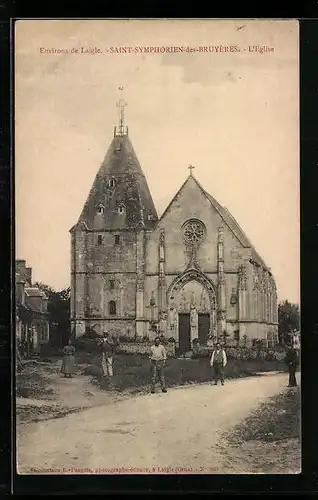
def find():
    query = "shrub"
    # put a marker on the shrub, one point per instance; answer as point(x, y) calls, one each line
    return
point(48, 350)
point(127, 339)
point(85, 344)
point(90, 334)
point(200, 352)
point(270, 356)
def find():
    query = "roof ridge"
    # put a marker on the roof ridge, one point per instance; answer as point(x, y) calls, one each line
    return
point(172, 200)
point(220, 210)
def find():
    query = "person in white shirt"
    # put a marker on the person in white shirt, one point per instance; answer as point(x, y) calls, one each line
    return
point(218, 362)
point(158, 358)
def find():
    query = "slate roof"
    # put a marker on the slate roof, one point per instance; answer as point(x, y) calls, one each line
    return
point(34, 292)
point(130, 190)
point(236, 229)
point(33, 306)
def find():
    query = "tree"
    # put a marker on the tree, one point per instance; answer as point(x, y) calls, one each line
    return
point(288, 319)
point(58, 308)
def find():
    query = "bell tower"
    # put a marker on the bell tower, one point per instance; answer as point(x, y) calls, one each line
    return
point(108, 242)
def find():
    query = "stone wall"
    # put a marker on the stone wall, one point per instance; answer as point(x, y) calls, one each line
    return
point(103, 271)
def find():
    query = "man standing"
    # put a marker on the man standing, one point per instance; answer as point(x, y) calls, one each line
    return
point(218, 362)
point(108, 347)
point(291, 360)
point(158, 358)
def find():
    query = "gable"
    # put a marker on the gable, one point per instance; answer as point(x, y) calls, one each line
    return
point(191, 202)
point(192, 199)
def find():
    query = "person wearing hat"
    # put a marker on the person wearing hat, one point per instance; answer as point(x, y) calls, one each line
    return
point(108, 348)
point(218, 362)
point(292, 360)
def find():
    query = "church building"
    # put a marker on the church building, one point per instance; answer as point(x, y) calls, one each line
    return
point(190, 274)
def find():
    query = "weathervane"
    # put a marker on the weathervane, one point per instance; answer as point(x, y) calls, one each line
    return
point(121, 129)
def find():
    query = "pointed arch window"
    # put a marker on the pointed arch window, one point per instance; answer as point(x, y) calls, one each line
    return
point(112, 307)
point(100, 209)
point(121, 209)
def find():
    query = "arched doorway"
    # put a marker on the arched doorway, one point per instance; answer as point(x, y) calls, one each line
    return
point(192, 310)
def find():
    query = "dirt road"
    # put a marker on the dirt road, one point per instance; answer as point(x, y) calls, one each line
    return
point(153, 433)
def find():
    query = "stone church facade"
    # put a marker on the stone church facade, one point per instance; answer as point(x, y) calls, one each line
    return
point(190, 274)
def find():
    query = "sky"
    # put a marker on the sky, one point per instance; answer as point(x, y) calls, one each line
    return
point(234, 115)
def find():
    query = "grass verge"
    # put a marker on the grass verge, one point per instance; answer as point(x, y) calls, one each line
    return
point(32, 383)
point(268, 441)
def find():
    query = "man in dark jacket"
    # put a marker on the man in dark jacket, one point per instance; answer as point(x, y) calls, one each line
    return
point(291, 360)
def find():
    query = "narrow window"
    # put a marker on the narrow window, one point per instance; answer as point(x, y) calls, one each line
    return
point(121, 209)
point(100, 209)
point(112, 284)
point(116, 239)
point(99, 239)
point(111, 182)
point(112, 307)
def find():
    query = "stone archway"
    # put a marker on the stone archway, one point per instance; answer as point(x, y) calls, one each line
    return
point(192, 297)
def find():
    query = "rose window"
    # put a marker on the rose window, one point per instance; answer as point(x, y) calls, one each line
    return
point(194, 231)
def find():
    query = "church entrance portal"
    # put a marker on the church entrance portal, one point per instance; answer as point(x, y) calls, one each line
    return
point(184, 333)
point(203, 328)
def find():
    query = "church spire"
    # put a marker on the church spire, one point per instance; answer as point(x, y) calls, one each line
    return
point(121, 129)
point(119, 198)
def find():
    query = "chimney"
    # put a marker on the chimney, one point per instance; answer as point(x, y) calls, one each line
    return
point(25, 273)
point(28, 275)
point(20, 267)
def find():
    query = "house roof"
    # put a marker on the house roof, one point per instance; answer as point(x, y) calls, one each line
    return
point(29, 308)
point(130, 190)
point(34, 292)
point(33, 306)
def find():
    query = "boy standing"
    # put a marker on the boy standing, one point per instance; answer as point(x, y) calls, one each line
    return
point(218, 362)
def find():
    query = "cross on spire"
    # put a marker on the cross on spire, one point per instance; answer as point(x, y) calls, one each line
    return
point(121, 104)
point(191, 168)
